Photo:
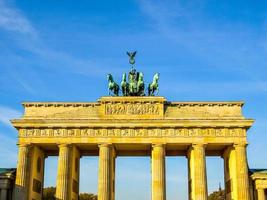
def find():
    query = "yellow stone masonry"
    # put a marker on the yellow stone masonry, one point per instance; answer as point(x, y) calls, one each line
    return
point(129, 126)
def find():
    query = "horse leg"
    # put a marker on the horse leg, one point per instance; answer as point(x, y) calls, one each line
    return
point(157, 91)
point(153, 91)
point(127, 90)
point(117, 90)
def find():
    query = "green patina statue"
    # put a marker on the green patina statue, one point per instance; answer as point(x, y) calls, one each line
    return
point(154, 86)
point(135, 85)
point(124, 86)
point(112, 86)
point(131, 57)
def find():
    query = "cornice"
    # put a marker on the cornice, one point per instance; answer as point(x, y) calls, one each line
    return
point(207, 103)
point(125, 100)
point(240, 123)
point(59, 104)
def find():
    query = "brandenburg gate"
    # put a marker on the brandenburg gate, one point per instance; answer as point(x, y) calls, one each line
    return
point(131, 126)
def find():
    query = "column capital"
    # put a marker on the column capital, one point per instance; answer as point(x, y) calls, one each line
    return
point(24, 144)
point(199, 145)
point(64, 145)
point(105, 145)
point(240, 145)
point(158, 145)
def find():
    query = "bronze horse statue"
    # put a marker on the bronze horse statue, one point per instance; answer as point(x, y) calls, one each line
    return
point(154, 86)
point(112, 86)
point(141, 84)
point(124, 86)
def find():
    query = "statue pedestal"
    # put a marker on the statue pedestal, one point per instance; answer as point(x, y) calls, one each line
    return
point(132, 107)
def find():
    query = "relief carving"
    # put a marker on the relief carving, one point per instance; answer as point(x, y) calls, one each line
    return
point(134, 132)
point(132, 109)
point(37, 186)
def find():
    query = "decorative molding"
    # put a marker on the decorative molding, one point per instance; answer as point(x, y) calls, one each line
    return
point(200, 103)
point(59, 104)
point(131, 132)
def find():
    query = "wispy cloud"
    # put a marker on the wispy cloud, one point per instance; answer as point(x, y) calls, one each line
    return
point(12, 19)
point(28, 39)
point(30, 59)
point(7, 113)
point(229, 46)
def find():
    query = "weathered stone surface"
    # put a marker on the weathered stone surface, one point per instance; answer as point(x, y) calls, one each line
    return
point(149, 126)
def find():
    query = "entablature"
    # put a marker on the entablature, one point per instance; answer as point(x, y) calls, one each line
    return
point(133, 108)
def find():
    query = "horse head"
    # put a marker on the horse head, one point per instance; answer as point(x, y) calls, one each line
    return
point(156, 77)
point(109, 77)
point(124, 77)
point(141, 77)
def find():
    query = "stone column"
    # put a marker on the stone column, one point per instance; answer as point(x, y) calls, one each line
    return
point(158, 172)
point(37, 173)
point(197, 173)
point(3, 194)
point(75, 173)
point(242, 172)
point(261, 194)
point(113, 169)
point(228, 173)
point(63, 173)
point(105, 172)
point(23, 172)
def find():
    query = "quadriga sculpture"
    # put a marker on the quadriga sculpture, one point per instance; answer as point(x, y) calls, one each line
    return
point(135, 85)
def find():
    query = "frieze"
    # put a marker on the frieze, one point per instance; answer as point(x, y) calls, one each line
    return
point(132, 132)
point(132, 109)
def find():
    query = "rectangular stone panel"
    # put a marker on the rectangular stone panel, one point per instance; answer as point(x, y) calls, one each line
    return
point(132, 108)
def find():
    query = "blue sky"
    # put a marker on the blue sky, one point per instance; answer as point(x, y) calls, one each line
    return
point(205, 50)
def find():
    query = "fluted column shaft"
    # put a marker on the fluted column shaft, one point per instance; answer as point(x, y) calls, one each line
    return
point(158, 172)
point(3, 194)
point(113, 170)
point(23, 172)
point(242, 172)
point(104, 173)
point(63, 174)
point(261, 194)
point(198, 174)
